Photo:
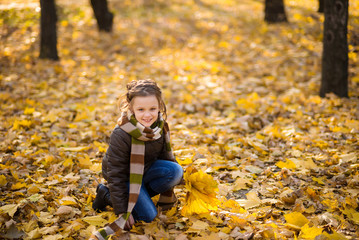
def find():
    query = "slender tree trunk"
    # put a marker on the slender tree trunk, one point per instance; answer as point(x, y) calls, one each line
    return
point(103, 16)
point(335, 49)
point(274, 11)
point(48, 36)
point(321, 6)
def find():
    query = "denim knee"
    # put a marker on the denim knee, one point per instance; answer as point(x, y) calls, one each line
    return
point(162, 176)
point(177, 173)
point(145, 213)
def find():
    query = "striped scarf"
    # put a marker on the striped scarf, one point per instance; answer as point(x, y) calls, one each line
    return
point(139, 135)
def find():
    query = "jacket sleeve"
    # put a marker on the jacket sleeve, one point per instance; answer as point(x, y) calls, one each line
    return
point(118, 154)
point(165, 155)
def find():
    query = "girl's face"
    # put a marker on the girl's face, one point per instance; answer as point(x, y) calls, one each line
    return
point(146, 109)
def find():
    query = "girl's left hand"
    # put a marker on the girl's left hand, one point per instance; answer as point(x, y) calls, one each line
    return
point(129, 223)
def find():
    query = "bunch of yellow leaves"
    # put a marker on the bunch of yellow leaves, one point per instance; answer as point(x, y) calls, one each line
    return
point(201, 192)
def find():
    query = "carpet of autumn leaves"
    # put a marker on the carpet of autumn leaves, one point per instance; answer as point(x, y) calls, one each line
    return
point(243, 107)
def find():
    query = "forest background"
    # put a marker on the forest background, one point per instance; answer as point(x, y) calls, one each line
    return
point(243, 107)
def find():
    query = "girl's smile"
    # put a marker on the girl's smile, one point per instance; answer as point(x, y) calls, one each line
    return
point(145, 109)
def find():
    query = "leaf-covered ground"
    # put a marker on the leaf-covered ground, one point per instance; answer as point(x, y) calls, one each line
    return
point(243, 106)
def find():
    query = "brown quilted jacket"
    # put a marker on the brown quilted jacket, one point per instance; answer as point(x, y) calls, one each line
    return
point(116, 165)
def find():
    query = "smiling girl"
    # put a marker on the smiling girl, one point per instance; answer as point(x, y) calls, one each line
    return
point(139, 163)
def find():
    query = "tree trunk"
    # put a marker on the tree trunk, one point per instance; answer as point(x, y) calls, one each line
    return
point(48, 36)
point(321, 6)
point(335, 49)
point(103, 16)
point(274, 11)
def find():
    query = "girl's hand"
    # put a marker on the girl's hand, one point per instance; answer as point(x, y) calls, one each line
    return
point(129, 223)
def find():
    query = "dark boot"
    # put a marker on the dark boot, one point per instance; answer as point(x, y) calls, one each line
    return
point(102, 198)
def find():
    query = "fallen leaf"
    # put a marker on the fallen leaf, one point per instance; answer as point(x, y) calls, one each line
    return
point(201, 196)
point(307, 232)
point(288, 164)
point(10, 209)
point(351, 214)
point(241, 183)
point(97, 221)
point(68, 201)
point(251, 201)
point(3, 180)
point(295, 220)
point(64, 210)
point(197, 227)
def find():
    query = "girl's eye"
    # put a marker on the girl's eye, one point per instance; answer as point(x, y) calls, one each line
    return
point(140, 109)
point(153, 109)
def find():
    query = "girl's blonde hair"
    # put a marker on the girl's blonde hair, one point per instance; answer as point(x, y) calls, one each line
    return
point(142, 88)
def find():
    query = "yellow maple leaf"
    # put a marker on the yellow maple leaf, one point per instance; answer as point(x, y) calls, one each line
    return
point(340, 129)
point(184, 162)
point(85, 162)
point(96, 167)
point(241, 183)
point(332, 204)
point(201, 195)
point(315, 99)
point(109, 215)
point(307, 232)
point(198, 226)
point(171, 212)
point(34, 234)
point(35, 139)
point(257, 145)
point(95, 221)
point(289, 164)
point(49, 159)
point(251, 201)
point(247, 105)
point(51, 116)
point(210, 218)
point(351, 214)
point(351, 157)
point(68, 201)
point(237, 222)
point(351, 123)
point(319, 180)
point(198, 204)
point(29, 111)
point(233, 206)
point(273, 131)
point(71, 125)
point(81, 116)
point(199, 182)
point(335, 236)
point(18, 185)
point(307, 164)
point(77, 225)
point(68, 162)
point(18, 124)
point(102, 147)
point(9, 209)
point(296, 220)
point(226, 230)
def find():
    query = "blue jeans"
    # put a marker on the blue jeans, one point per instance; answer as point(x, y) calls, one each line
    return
point(160, 177)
